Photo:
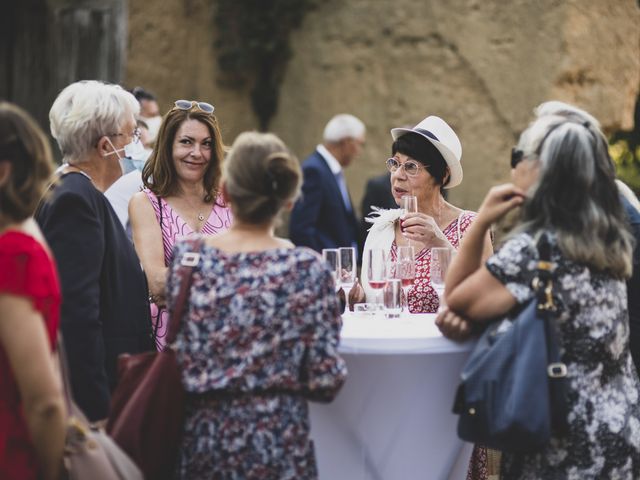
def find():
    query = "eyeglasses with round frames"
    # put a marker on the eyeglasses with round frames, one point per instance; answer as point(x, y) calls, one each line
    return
point(135, 135)
point(189, 104)
point(410, 167)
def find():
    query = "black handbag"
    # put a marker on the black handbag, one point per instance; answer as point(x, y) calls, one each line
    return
point(512, 396)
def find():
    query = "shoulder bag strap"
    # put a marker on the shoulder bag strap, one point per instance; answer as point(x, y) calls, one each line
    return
point(548, 309)
point(161, 226)
point(187, 262)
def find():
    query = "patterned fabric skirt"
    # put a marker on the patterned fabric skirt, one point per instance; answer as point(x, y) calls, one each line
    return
point(484, 464)
point(246, 437)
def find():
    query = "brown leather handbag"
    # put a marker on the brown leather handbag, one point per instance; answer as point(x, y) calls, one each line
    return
point(88, 450)
point(147, 406)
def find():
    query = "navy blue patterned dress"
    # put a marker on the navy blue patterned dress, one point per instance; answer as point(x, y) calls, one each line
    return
point(603, 441)
point(259, 339)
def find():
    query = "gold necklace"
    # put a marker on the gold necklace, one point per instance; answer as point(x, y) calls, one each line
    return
point(199, 215)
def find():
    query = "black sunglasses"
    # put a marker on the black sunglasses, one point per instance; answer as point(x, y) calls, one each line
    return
point(516, 157)
point(189, 104)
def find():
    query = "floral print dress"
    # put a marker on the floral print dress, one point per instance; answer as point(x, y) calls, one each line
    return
point(259, 339)
point(603, 441)
point(422, 296)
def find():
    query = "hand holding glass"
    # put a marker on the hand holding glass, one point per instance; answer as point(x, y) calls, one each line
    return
point(409, 204)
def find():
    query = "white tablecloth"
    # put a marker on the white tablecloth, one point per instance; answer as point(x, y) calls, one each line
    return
point(392, 419)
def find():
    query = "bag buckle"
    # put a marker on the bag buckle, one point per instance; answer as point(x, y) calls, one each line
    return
point(557, 370)
point(190, 259)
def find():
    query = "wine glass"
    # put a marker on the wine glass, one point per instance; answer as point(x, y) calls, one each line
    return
point(332, 257)
point(440, 260)
point(406, 269)
point(377, 272)
point(347, 272)
point(408, 204)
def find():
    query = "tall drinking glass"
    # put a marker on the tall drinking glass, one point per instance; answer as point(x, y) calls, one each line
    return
point(406, 269)
point(377, 270)
point(440, 260)
point(347, 272)
point(332, 257)
point(393, 298)
point(408, 204)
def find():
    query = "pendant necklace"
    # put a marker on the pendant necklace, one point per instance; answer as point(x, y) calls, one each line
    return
point(199, 215)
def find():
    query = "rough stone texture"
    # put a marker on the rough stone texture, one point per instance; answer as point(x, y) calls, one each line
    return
point(481, 65)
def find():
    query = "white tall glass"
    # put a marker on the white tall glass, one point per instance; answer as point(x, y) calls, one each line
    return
point(406, 269)
point(440, 260)
point(332, 257)
point(377, 270)
point(393, 298)
point(347, 272)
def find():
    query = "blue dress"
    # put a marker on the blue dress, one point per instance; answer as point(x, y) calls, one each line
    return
point(259, 339)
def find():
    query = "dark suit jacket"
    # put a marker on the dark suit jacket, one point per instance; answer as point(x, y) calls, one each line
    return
point(633, 284)
point(320, 218)
point(105, 300)
point(378, 194)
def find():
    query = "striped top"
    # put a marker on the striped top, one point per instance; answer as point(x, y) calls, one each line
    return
point(174, 227)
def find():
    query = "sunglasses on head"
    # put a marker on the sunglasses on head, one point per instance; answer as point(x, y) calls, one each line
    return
point(189, 104)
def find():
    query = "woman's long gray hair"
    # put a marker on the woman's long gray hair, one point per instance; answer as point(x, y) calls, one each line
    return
point(576, 195)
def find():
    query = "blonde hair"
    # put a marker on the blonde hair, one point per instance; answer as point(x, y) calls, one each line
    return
point(260, 177)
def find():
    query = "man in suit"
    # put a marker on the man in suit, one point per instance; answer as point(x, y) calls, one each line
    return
point(324, 216)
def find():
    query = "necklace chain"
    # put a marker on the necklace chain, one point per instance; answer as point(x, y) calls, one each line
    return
point(199, 214)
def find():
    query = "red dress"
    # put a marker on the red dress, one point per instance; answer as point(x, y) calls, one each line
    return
point(26, 270)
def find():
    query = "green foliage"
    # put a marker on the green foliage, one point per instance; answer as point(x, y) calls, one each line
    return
point(253, 45)
point(624, 147)
point(627, 161)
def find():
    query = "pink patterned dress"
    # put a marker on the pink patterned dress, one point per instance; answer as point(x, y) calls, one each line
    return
point(174, 227)
point(422, 297)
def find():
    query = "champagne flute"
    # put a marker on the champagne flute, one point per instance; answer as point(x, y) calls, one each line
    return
point(408, 204)
point(440, 260)
point(347, 272)
point(406, 269)
point(392, 291)
point(332, 257)
point(377, 273)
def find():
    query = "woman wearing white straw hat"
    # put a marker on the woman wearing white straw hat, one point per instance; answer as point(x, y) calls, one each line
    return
point(425, 161)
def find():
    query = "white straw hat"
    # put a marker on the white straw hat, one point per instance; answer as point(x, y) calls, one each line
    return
point(442, 136)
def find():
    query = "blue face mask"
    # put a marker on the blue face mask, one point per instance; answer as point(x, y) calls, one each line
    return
point(141, 158)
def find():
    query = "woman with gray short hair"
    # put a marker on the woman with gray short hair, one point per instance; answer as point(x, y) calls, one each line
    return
point(105, 309)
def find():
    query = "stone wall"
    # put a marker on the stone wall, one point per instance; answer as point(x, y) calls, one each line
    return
point(481, 65)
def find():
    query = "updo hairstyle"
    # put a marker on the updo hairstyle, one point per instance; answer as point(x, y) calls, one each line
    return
point(260, 177)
